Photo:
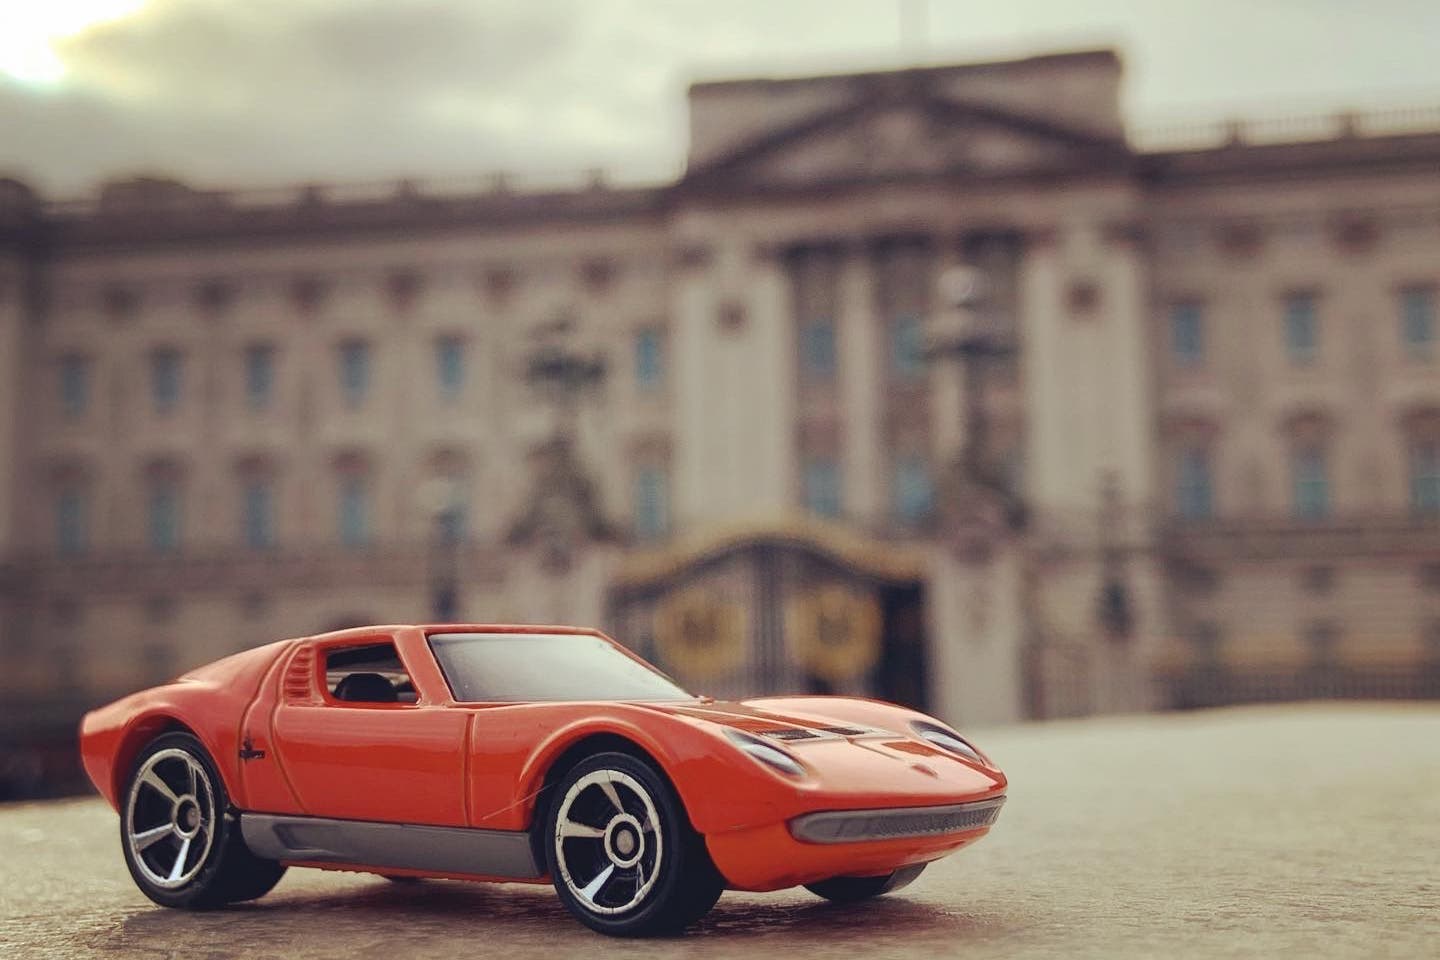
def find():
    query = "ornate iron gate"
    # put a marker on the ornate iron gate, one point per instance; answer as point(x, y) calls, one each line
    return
point(778, 612)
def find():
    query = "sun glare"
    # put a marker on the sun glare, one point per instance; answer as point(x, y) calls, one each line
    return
point(27, 40)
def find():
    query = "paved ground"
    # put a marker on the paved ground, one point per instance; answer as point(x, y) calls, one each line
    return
point(1309, 831)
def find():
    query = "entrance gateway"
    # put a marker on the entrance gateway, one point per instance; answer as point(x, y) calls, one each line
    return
point(801, 607)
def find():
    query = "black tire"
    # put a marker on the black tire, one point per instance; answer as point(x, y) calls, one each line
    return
point(851, 889)
point(200, 861)
point(649, 887)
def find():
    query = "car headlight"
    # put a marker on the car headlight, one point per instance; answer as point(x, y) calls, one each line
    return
point(769, 755)
point(947, 740)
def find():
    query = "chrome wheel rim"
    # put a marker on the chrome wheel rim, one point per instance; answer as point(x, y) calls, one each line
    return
point(170, 818)
point(608, 843)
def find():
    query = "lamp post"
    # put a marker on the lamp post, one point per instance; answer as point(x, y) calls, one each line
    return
point(964, 333)
point(563, 507)
point(440, 499)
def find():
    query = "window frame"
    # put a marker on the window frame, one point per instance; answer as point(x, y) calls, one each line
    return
point(320, 676)
point(649, 357)
point(73, 384)
point(450, 352)
point(363, 483)
point(661, 528)
point(1192, 454)
point(355, 373)
point(1421, 349)
point(263, 398)
point(167, 374)
point(164, 490)
point(1187, 329)
point(1303, 457)
point(832, 467)
point(1424, 476)
point(1302, 354)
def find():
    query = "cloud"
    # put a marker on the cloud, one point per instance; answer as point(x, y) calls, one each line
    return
point(313, 89)
point(242, 92)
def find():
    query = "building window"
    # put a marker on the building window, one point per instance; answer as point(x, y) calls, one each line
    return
point(450, 366)
point(1302, 328)
point(1322, 637)
point(1205, 642)
point(911, 490)
point(652, 503)
point(1432, 640)
point(165, 372)
point(1194, 496)
point(354, 519)
point(72, 516)
point(817, 350)
point(1187, 333)
point(164, 515)
point(822, 487)
point(1311, 484)
point(258, 513)
point(259, 376)
point(649, 359)
point(450, 523)
point(354, 371)
point(907, 347)
point(74, 385)
point(1425, 477)
point(1417, 321)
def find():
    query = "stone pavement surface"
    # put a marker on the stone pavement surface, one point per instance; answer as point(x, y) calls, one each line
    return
point(1301, 831)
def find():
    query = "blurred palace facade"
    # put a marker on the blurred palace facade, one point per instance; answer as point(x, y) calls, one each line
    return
point(704, 414)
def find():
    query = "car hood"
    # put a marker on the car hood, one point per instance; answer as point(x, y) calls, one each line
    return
point(792, 725)
point(879, 760)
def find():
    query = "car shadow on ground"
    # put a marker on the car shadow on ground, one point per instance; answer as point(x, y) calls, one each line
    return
point(384, 919)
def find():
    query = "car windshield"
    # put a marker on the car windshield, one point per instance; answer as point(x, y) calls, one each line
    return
point(501, 667)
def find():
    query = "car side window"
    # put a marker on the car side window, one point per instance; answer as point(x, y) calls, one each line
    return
point(368, 673)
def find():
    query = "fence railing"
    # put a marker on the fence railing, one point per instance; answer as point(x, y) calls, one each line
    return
point(1293, 128)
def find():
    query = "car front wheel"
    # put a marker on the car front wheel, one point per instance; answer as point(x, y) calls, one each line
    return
point(620, 849)
point(182, 847)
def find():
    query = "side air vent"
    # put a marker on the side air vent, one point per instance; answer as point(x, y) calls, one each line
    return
point(845, 731)
point(299, 676)
point(789, 733)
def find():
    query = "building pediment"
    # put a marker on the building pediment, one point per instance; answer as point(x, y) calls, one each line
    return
point(921, 136)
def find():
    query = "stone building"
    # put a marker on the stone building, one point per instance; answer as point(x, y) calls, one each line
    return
point(1203, 438)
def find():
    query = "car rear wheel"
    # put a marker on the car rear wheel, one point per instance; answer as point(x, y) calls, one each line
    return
point(850, 889)
point(620, 849)
point(181, 844)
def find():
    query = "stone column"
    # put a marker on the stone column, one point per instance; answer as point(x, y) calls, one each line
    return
point(734, 389)
point(693, 306)
point(762, 389)
point(1049, 407)
point(861, 371)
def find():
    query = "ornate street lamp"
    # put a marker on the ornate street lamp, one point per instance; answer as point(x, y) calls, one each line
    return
point(439, 498)
point(981, 502)
point(563, 507)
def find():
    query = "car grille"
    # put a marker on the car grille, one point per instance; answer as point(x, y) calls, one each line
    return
point(850, 826)
point(789, 733)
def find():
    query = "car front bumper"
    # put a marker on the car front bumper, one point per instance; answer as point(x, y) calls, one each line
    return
point(851, 826)
point(832, 843)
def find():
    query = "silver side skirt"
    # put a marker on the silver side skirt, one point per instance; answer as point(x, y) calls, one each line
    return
point(402, 846)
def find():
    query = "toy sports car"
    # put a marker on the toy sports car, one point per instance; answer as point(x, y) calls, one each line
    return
point(533, 754)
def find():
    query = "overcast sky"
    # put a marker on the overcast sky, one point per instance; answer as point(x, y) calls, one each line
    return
point(263, 92)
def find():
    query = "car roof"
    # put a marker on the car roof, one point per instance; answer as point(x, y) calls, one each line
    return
point(433, 628)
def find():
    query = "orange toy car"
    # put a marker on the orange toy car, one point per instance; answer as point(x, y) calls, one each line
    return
point(528, 754)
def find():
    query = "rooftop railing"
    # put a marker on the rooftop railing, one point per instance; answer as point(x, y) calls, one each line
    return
point(1293, 128)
